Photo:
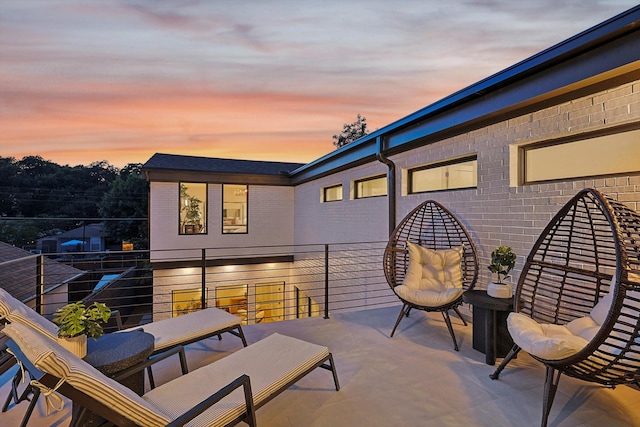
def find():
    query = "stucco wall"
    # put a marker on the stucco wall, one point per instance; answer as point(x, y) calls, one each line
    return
point(271, 219)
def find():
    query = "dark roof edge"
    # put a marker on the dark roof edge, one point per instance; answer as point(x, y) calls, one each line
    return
point(611, 29)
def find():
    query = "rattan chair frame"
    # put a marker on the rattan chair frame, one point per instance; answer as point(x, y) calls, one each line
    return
point(433, 226)
point(590, 248)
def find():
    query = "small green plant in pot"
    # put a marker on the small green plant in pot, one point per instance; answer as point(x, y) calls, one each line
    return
point(76, 322)
point(503, 260)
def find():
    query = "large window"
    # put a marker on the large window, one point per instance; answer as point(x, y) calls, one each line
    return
point(454, 174)
point(234, 208)
point(598, 155)
point(193, 208)
point(371, 187)
point(332, 193)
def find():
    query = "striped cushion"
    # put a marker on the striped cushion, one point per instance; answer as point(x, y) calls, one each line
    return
point(50, 357)
point(174, 331)
point(16, 311)
point(270, 363)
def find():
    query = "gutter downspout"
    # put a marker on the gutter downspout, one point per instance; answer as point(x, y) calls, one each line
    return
point(391, 184)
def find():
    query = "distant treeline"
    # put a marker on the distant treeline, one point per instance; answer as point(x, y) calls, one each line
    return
point(39, 198)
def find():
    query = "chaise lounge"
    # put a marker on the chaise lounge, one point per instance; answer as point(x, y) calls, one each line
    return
point(210, 395)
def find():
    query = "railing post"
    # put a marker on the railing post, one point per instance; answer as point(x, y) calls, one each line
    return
point(40, 284)
point(326, 281)
point(203, 291)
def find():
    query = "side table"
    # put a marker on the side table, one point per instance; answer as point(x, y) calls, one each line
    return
point(490, 334)
point(115, 352)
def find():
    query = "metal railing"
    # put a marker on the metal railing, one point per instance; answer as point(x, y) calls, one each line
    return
point(259, 284)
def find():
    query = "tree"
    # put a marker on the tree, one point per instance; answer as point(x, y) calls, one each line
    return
point(127, 198)
point(351, 132)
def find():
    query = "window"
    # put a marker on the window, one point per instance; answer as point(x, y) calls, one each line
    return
point(187, 301)
point(234, 208)
point(371, 187)
point(454, 174)
point(592, 156)
point(332, 194)
point(193, 208)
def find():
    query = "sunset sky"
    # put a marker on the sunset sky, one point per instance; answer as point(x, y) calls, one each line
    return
point(115, 80)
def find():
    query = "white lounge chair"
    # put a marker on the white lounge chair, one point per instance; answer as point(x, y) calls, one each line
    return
point(209, 396)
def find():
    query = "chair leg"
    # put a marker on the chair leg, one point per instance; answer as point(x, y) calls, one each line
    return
point(13, 392)
point(550, 387)
point(404, 311)
point(513, 353)
point(460, 315)
point(32, 405)
point(447, 320)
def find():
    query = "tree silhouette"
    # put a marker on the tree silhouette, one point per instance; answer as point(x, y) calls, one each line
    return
point(351, 132)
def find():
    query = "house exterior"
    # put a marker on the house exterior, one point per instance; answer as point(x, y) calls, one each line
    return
point(503, 154)
point(88, 238)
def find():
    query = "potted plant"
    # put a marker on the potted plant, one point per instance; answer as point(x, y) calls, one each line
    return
point(503, 259)
point(76, 322)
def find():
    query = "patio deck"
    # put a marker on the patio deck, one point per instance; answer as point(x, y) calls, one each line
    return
point(414, 378)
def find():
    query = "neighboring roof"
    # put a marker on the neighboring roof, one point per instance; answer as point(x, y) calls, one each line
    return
point(207, 168)
point(89, 230)
point(18, 272)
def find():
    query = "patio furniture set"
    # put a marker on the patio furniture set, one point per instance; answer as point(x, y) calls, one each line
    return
point(576, 309)
point(577, 303)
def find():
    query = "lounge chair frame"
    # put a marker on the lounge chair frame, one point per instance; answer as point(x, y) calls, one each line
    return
point(591, 247)
point(433, 226)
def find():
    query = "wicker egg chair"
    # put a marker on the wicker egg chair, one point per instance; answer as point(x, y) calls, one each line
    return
point(590, 249)
point(433, 226)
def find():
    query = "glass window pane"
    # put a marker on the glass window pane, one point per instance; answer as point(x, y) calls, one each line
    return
point(193, 208)
point(446, 177)
point(234, 208)
point(371, 187)
point(332, 194)
point(604, 155)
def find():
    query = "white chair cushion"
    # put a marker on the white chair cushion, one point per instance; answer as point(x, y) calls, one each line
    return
point(16, 311)
point(434, 278)
point(177, 330)
point(434, 270)
point(427, 298)
point(48, 356)
point(551, 342)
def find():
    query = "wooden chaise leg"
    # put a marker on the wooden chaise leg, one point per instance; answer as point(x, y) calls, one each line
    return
point(447, 320)
point(550, 387)
point(511, 355)
point(404, 311)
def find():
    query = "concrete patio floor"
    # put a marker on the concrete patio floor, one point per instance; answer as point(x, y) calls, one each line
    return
point(412, 379)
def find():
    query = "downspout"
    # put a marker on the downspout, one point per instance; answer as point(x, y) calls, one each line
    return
point(391, 184)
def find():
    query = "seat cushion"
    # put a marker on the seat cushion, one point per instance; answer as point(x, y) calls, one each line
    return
point(434, 270)
point(428, 298)
point(16, 311)
point(48, 356)
point(271, 363)
point(551, 342)
point(189, 327)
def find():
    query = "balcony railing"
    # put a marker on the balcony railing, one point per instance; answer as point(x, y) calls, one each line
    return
point(259, 284)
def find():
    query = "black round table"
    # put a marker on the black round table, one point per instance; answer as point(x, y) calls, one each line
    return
point(490, 334)
point(115, 352)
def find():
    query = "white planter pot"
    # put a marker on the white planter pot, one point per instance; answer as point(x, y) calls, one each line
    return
point(76, 345)
point(497, 290)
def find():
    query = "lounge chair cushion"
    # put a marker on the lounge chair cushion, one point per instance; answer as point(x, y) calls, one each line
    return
point(16, 311)
point(271, 363)
point(434, 277)
point(48, 356)
point(194, 326)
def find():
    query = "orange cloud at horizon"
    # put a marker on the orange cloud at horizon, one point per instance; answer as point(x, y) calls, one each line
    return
point(84, 82)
